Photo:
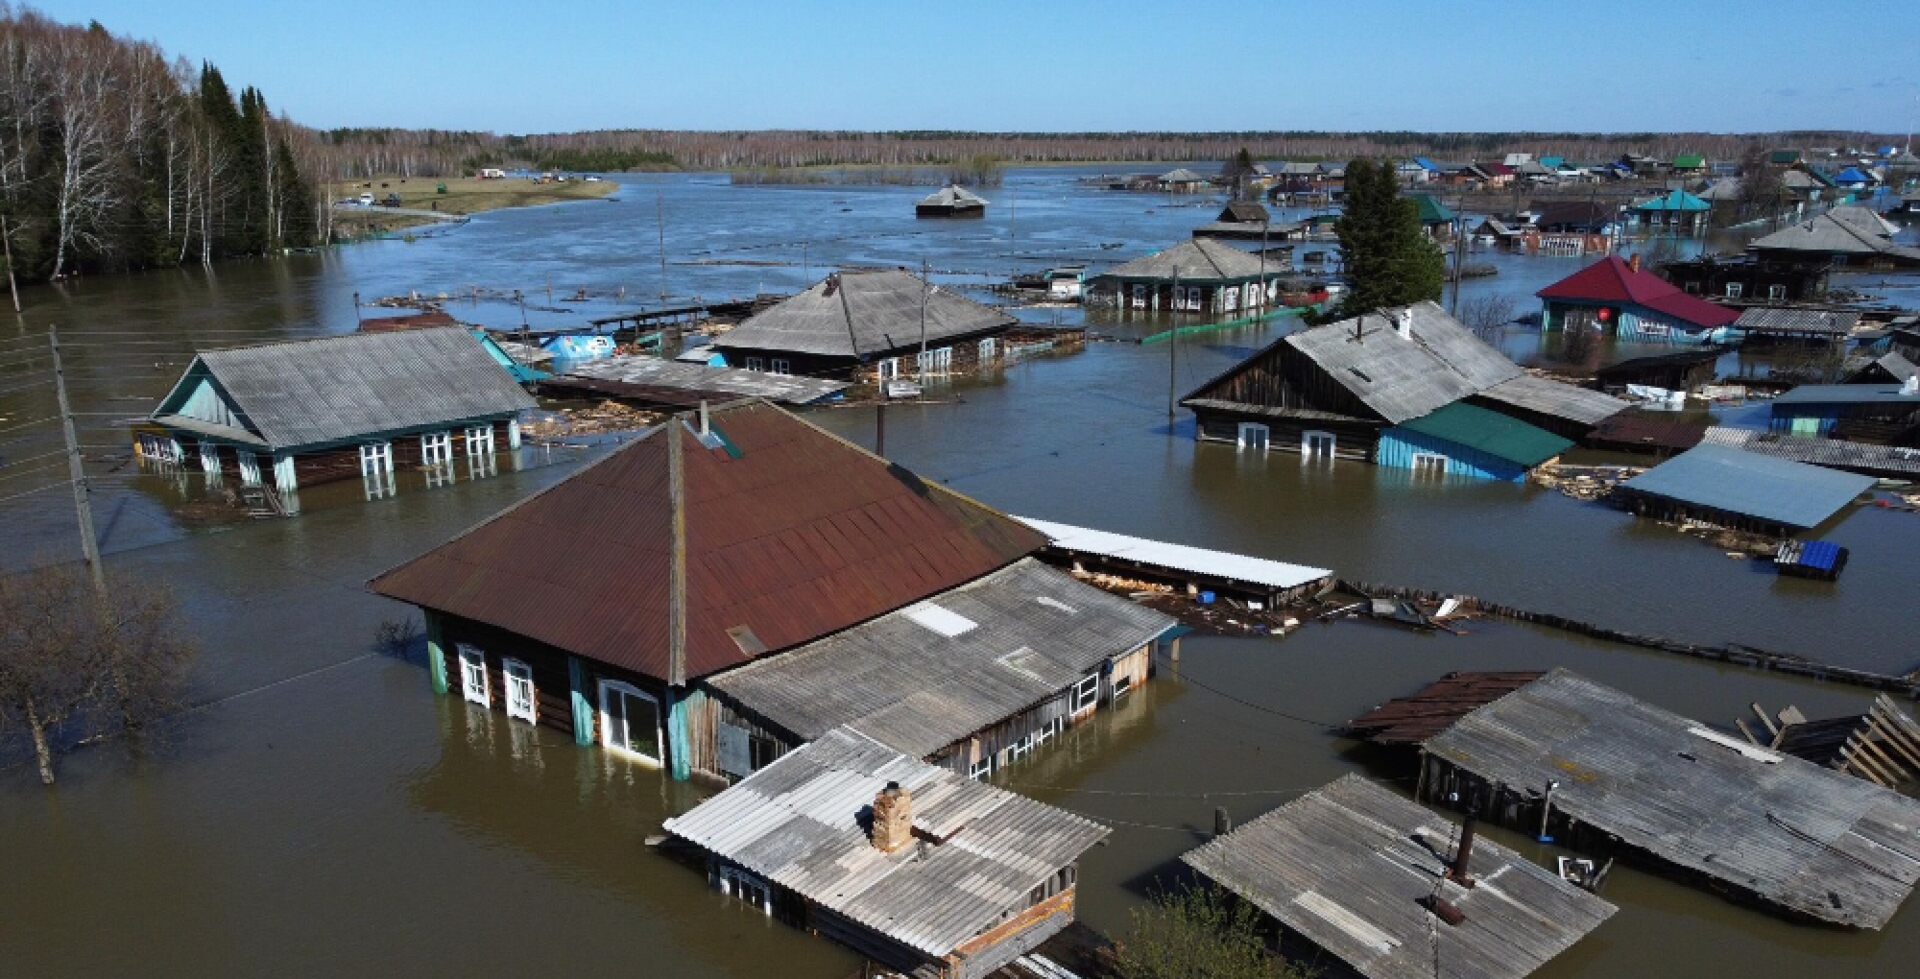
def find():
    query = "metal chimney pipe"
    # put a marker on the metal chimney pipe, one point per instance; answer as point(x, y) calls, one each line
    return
point(706, 427)
point(1459, 873)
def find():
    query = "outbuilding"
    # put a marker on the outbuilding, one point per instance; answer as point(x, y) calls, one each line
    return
point(1729, 487)
point(953, 201)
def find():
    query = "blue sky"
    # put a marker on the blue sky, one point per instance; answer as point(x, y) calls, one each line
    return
point(1624, 65)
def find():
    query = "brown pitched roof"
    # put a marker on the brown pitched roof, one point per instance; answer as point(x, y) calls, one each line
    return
point(677, 560)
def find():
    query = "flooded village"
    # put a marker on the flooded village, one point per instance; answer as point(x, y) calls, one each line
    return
point(1024, 571)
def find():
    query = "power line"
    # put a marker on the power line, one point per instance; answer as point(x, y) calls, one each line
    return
point(30, 472)
point(43, 489)
point(22, 462)
point(1248, 703)
point(26, 387)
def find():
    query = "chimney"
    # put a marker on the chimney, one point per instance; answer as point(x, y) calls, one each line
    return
point(1911, 385)
point(1403, 322)
point(1458, 873)
point(1633, 261)
point(706, 425)
point(892, 818)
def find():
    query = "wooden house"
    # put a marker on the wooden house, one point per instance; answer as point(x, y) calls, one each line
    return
point(868, 325)
point(1249, 221)
point(1576, 217)
point(1436, 219)
point(1469, 441)
point(1677, 212)
point(1183, 181)
point(362, 404)
point(1684, 370)
point(611, 605)
point(1198, 276)
point(1332, 391)
point(1849, 237)
point(1604, 772)
point(1883, 414)
point(922, 871)
point(1616, 296)
point(1745, 277)
point(952, 201)
point(1384, 888)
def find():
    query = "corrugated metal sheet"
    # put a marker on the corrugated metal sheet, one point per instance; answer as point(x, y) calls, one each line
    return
point(1809, 839)
point(1403, 377)
point(1411, 720)
point(1347, 867)
point(862, 314)
point(1555, 398)
point(1035, 632)
point(338, 389)
point(1177, 557)
point(1193, 262)
point(1490, 432)
point(1841, 231)
point(953, 196)
point(677, 382)
point(1872, 460)
point(1613, 280)
point(802, 535)
point(1736, 481)
point(797, 823)
point(1649, 429)
point(1846, 394)
point(1767, 319)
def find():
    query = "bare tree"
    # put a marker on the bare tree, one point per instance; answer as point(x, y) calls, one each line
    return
point(71, 657)
point(87, 87)
point(1487, 316)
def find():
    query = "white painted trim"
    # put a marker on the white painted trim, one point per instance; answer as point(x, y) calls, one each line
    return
point(732, 877)
point(1307, 439)
point(531, 713)
point(1247, 428)
point(606, 722)
point(473, 667)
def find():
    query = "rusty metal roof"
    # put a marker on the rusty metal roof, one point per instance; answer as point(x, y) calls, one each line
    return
point(677, 560)
point(1411, 720)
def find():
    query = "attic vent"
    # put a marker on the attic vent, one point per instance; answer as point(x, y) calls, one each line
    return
point(744, 638)
point(1056, 603)
point(942, 621)
point(1357, 372)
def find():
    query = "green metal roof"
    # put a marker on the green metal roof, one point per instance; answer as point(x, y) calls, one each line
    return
point(1490, 432)
point(1678, 200)
point(1783, 156)
point(1552, 162)
point(1689, 161)
point(1431, 210)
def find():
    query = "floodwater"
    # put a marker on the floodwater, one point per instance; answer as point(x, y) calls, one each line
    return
point(325, 814)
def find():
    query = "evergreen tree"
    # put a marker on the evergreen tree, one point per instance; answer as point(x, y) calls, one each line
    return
point(1389, 259)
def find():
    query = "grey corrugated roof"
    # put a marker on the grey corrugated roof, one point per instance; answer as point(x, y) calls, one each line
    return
point(1556, 398)
point(1195, 261)
point(338, 389)
point(1846, 394)
point(1752, 485)
point(1767, 319)
point(1399, 377)
point(677, 375)
point(1809, 839)
point(1345, 867)
point(860, 314)
point(1843, 230)
point(1181, 175)
point(1878, 460)
point(1037, 632)
point(797, 822)
point(953, 196)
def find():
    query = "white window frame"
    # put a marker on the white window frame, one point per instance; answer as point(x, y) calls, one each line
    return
point(1085, 694)
point(754, 363)
point(936, 361)
point(981, 770)
point(519, 677)
point(1422, 463)
point(1020, 749)
point(376, 457)
point(1311, 438)
point(606, 722)
point(1230, 298)
point(1735, 289)
point(782, 365)
point(249, 467)
point(436, 448)
point(1247, 429)
point(733, 881)
point(1776, 292)
point(480, 440)
point(988, 347)
point(1048, 730)
point(473, 675)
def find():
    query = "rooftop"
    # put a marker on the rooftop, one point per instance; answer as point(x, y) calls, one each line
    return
point(1613, 280)
point(797, 823)
point(1678, 200)
point(1179, 557)
point(1196, 261)
point(1860, 457)
point(1490, 432)
point(1746, 483)
point(1348, 865)
point(860, 314)
point(953, 196)
point(1767, 319)
point(674, 382)
point(1847, 394)
point(1808, 839)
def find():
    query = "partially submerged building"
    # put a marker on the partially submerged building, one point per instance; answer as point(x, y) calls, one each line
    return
point(362, 404)
point(609, 605)
point(1466, 440)
point(1850, 237)
point(1601, 770)
point(1676, 212)
point(1381, 885)
point(921, 870)
point(656, 383)
point(1616, 296)
point(1333, 391)
point(952, 201)
point(1879, 461)
point(1882, 414)
point(1796, 323)
point(1200, 275)
point(1436, 219)
point(1260, 582)
point(1730, 487)
point(1747, 278)
point(868, 324)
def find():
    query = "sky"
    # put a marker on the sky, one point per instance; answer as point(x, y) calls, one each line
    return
point(1039, 65)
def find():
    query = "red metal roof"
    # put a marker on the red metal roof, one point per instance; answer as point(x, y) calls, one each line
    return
point(655, 558)
point(1411, 720)
point(1612, 280)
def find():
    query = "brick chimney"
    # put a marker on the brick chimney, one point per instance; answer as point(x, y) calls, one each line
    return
point(892, 818)
point(1633, 261)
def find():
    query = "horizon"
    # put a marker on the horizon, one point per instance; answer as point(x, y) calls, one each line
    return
point(1003, 68)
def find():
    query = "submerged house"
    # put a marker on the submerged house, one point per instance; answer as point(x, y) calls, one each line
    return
point(868, 324)
point(1616, 296)
point(611, 605)
point(1248, 221)
point(1359, 389)
point(1883, 414)
point(362, 404)
point(1384, 887)
point(1846, 237)
point(1436, 219)
point(1183, 181)
point(1200, 275)
point(1730, 487)
point(1748, 278)
point(923, 871)
point(952, 201)
point(1678, 212)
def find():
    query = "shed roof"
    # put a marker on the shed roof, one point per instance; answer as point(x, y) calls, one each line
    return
point(1348, 865)
point(1004, 643)
point(797, 822)
point(1860, 457)
point(1805, 838)
point(1197, 260)
point(1411, 720)
point(677, 560)
point(1431, 210)
point(1490, 432)
point(953, 195)
point(310, 393)
point(1561, 213)
point(1612, 280)
point(1177, 557)
point(1649, 429)
point(1846, 394)
point(863, 314)
point(1558, 399)
point(1251, 212)
point(1689, 161)
point(1768, 319)
point(1182, 175)
point(675, 382)
point(1745, 483)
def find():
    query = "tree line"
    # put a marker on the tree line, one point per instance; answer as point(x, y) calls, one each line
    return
point(113, 158)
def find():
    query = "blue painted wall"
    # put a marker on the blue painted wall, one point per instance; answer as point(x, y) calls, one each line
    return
point(1636, 323)
point(1398, 446)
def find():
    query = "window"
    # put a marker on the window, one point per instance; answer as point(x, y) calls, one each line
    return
point(1048, 730)
point(888, 369)
point(756, 364)
point(1139, 295)
point(1429, 464)
point(981, 770)
point(1121, 685)
point(1253, 435)
point(1019, 749)
point(1230, 299)
point(520, 691)
point(436, 448)
point(782, 366)
point(935, 361)
point(1734, 289)
point(249, 468)
point(473, 674)
point(480, 440)
point(1318, 446)
point(630, 721)
point(1693, 287)
point(1776, 292)
point(751, 890)
point(376, 457)
point(987, 349)
point(1085, 694)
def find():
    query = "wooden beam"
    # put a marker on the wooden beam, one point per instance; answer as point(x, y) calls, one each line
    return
point(1766, 722)
point(1791, 715)
point(1742, 725)
point(1863, 765)
point(1899, 723)
point(1893, 768)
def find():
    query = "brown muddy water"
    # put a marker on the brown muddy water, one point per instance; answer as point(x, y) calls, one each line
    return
point(324, 814)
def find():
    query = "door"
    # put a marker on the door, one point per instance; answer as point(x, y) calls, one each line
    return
point(520, 691)
point(630, 721)
point(1253, 436)
point(1318, 446)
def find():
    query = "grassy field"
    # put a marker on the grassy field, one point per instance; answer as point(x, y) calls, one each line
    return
point(464, 195)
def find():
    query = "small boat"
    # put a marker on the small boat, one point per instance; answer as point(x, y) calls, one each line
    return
point(902, 390)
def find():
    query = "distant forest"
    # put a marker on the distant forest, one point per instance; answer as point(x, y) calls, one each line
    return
point(113, 158)
point(434, 152)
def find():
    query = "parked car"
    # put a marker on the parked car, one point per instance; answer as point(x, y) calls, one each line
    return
point(366, 200)
point(393, 200)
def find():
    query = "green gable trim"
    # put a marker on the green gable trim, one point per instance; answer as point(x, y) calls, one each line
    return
point(1490, 432)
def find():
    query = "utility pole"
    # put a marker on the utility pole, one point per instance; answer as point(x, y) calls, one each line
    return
point(6, 243)
point(925, 270)
point(1173, 355)
point(1459, 260)
point(82, 500)
point(660, 212)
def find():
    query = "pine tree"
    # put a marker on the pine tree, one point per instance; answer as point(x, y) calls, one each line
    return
point(1389, 259)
